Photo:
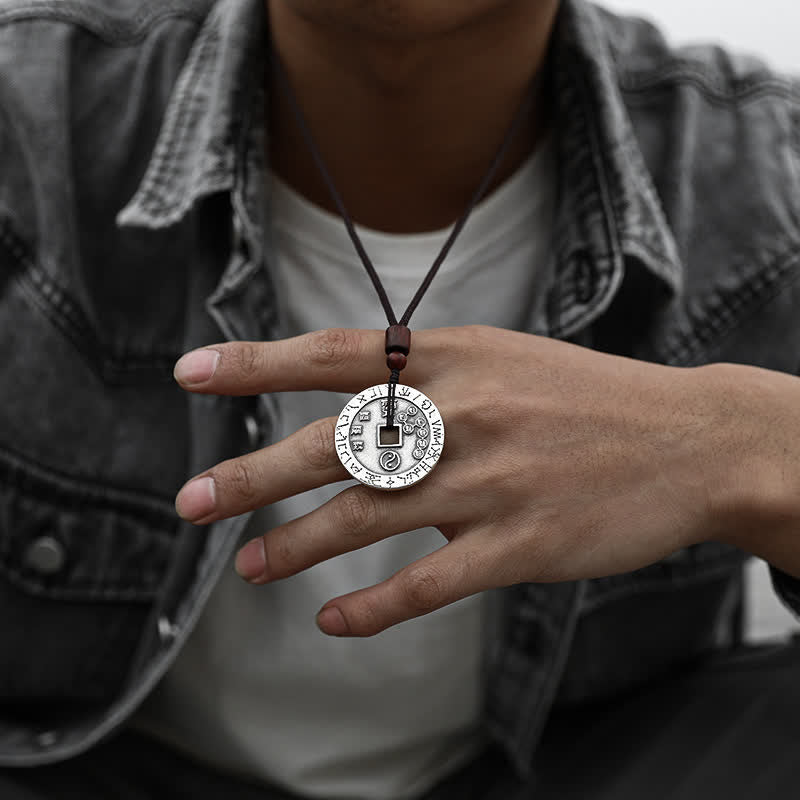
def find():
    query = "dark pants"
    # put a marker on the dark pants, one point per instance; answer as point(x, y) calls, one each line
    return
point(730, 729)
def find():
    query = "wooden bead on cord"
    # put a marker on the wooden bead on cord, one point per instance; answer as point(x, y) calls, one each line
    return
point(398, 339)
point(396, 361)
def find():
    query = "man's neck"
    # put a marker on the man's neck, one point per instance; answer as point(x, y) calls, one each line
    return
point(408, 128)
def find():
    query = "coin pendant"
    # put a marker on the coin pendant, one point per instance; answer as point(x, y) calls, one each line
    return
point(389, 458)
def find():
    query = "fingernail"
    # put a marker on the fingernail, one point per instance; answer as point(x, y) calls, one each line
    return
point(197, 499)
point(196, 367)
point(331, 621)
point(251, 561)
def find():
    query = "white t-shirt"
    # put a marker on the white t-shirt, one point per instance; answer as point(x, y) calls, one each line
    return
point(257, 689)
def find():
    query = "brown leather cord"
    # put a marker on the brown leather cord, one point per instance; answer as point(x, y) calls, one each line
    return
point(394, 377)
point(486, 181)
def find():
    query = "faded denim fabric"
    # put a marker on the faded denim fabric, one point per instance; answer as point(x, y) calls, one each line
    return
point(132, 145)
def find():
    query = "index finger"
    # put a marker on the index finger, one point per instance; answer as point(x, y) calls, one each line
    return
point(335, 359)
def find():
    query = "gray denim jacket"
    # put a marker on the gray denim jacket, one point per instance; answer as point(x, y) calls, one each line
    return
point(132, 142)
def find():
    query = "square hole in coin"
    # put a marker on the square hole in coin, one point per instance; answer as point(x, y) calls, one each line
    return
point(390, 436)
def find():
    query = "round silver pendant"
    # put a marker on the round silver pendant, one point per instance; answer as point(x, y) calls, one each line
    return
point(389, 458)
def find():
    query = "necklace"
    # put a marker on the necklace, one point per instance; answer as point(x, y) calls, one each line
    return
point(389, 436)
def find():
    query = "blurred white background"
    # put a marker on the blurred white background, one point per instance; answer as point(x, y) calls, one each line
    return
point(770, 29)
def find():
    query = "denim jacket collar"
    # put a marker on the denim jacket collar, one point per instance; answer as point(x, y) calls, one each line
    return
point(608, 216)
point(203, 137)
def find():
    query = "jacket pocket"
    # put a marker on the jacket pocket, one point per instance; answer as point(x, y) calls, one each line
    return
point(80, 567)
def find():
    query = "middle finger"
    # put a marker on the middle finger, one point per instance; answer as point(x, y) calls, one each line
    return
point(305, 460)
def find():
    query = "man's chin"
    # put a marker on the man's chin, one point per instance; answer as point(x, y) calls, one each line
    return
point(399, 19)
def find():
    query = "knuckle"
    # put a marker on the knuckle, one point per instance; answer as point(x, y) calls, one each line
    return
point(318, 447)
point(280, 554)
point(483, 409)
point(455, 485)
point(240, 480)
point(423, 588)
point(458, 410)
point(357, 512)
point(332, 348)
point(248, 360)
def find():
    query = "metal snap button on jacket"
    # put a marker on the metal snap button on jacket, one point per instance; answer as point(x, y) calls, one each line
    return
point(45, 555)
point(253, 430)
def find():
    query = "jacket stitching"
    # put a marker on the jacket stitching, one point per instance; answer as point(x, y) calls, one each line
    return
point(37, 478)
point(114, 33)
point(215, 178)
point(602, 275)
point(736, 91)
point(24, 475)
point(60, 310)
point(188, 97)
point(711, 328)
point(116, 594)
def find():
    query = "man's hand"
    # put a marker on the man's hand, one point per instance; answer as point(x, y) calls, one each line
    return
point(560, 463)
